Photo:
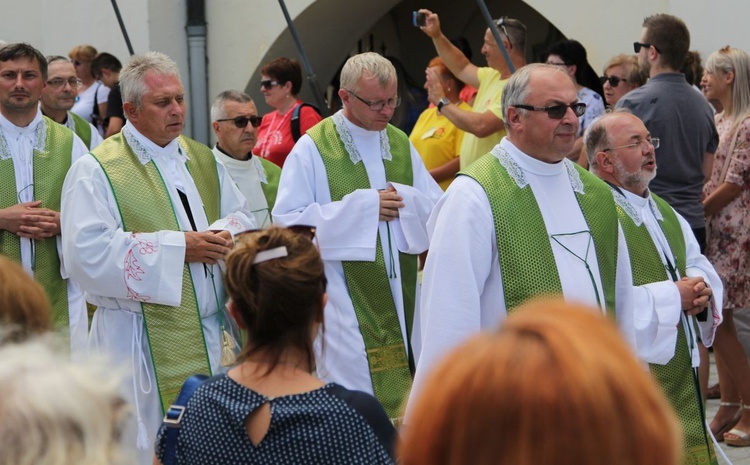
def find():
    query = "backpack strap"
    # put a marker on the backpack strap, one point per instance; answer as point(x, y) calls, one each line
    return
point(296, 133)
point(173, 418)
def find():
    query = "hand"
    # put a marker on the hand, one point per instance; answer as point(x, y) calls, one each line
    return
point(29, 220)
point(206, 247)
point(431, 24)
point(434, 88)
point(694, 294)
point(40, 223)
point(390, 202)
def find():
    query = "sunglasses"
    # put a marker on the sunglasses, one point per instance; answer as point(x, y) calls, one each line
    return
point(268, 83)
point(614, 81)
point(638, 45)
point(299, 229)
point(557, 111)
point(241, 121)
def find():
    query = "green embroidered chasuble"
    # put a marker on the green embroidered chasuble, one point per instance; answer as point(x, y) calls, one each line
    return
point(49, 169)
point(526, 259)
point(83, 129)
point(175, 334)
point(271, 186)
point(368, 282)
point(676, 377)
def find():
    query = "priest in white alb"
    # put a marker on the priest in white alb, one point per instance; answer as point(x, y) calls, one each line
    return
point(360, 182)
point(147, 215)
point(523, 221)
point(675, 282)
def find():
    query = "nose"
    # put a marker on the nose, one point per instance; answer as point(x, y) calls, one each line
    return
point(607, 85)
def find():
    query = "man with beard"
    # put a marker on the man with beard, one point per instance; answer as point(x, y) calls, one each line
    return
point(235, 121)
point(35, 155)
point(671, 276)
point(682, 118)
point(58, 98)
point(523, 221)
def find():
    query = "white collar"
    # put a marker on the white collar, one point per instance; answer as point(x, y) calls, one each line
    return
point(36, 130)
point(347, 130)
point(633, 205)
point(517, 163)
point(146, 150)
point(251, 163)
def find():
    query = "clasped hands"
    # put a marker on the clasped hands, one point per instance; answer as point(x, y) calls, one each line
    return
point(30, 220)
point(694, 294)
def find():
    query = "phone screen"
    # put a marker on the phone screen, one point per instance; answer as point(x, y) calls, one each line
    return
point(418, 19)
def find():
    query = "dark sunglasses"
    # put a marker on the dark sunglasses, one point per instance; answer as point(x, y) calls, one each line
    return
point(637, 46)
point(299, 229)
point(557, 111)
point(614, 81)
point(241, 121)
point(268, 83)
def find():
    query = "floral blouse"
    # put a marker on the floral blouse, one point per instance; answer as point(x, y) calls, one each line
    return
point(728, 231)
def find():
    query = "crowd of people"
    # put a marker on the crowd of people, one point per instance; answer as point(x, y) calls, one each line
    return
point(513, 280)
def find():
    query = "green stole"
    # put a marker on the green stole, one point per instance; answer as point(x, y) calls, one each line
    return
point(368, 282)
point(49, 170)
point(523, 244)
point(271, 186)
point(83, 128)
point(675, 377)
point(175, 334)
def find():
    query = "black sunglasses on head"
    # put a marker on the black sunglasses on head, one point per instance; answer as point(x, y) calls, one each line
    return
point(557, 111)
point(241, 121)
point(614, 81)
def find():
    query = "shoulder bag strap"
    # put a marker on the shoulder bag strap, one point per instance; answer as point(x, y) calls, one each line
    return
point(173, 417)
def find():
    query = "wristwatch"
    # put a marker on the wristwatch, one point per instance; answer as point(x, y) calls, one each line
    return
point(443, 102)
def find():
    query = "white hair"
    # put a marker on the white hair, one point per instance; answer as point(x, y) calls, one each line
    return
point(133, 74)
point(55, 412)
point(369, 65)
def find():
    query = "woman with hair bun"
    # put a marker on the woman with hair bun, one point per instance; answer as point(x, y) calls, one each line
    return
point(270, 408)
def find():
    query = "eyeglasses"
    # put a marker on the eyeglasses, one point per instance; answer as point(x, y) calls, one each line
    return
point(642, 144)
point(241, 121)
point(614, 81)
point(637, 46)
point(380, 104)
point(268, 83)
point(60, 82)
point(501, 24)
point(557, 111)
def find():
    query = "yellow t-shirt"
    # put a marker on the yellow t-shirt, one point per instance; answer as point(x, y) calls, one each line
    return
point(488, 98)
point(437, 139)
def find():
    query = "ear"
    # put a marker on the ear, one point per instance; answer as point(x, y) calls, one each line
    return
point(288, 86)
point(572, 70)
point(344, 96)
point(604, 162)
point(235, 314)
point(131, 112)
point(514, 117)
point(728, 77)
point(320, 317)
point(217, 127)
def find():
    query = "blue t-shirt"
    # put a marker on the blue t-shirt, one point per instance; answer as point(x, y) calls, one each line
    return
point(330, 425)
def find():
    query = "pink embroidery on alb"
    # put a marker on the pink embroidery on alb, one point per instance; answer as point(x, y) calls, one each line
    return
point(132, 271)
point(234, 222)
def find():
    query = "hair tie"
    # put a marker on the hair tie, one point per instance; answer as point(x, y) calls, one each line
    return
point(270, 254)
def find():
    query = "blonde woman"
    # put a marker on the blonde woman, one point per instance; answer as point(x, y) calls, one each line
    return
point(727, 208)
